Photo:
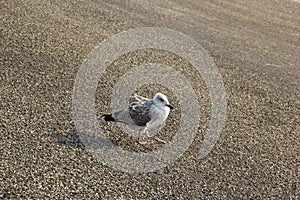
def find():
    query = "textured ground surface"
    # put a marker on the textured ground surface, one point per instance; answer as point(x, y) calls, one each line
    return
point(256, 47)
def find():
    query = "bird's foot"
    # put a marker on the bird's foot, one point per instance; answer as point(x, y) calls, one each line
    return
point(141, 142)
point(159, 140)
point(156, 138)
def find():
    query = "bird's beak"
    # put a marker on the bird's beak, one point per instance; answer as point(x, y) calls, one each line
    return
point(170, 106)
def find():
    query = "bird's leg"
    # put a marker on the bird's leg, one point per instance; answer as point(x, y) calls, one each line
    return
point(139, 139)
point(149, 136)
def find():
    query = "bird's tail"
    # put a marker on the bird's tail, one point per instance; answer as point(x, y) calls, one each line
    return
point(108, 117)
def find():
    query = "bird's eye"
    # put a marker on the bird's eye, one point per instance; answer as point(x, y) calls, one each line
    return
point(161, 99)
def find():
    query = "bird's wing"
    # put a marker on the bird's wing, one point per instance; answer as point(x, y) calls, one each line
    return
point(140, 111)
point(123, 116)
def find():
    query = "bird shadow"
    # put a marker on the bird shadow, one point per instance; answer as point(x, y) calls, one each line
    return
point(75, 139)
point(82, 141)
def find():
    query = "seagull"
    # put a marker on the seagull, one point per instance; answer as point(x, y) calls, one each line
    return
point(143, 114)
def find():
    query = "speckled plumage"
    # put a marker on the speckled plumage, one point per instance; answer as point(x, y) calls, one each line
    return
point(140, 111)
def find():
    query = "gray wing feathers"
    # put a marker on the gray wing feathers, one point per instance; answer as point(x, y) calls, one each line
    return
point(123, 116)
point(138, 113)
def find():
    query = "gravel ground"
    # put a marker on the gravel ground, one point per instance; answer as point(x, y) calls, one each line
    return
point(255, 45)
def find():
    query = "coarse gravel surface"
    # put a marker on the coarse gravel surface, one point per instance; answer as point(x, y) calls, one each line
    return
point(256, 47)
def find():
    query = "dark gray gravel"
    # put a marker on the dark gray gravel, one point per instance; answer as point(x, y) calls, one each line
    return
point(256, 46)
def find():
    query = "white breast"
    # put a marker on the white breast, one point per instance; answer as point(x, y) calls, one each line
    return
point(159, 116)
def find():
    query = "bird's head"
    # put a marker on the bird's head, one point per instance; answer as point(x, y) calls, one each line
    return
point(161, 99)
